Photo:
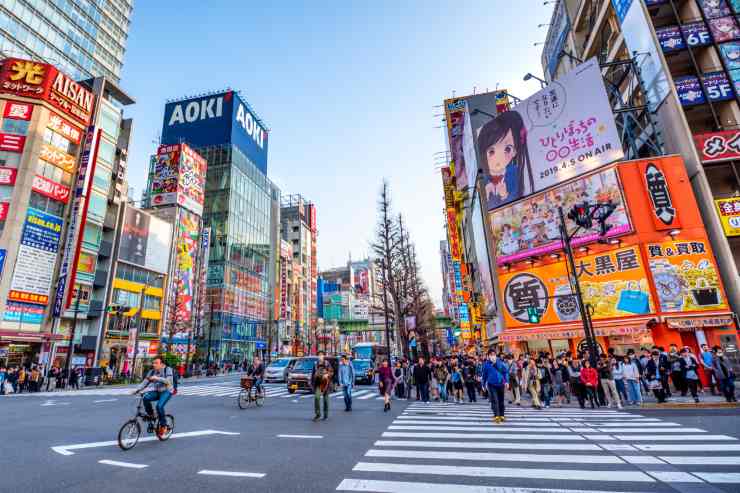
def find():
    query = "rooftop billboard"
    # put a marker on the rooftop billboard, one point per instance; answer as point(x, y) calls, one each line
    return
point(214, 119)
point(179, 178)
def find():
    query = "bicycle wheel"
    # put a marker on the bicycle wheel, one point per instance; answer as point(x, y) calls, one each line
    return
point(259, 398)
point(129, 434)
point(243, 399)
point(170, 428)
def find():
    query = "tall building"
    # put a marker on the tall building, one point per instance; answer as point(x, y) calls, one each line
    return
point(82, 38)
point(226, 132)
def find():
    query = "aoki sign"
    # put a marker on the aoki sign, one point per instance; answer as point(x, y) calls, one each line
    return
point(197, 110)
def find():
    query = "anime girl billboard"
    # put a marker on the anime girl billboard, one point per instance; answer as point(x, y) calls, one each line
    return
point(560, 132)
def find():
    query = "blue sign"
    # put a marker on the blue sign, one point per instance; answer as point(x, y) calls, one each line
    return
point(689, 90)
point(260, 345)
point(718, 86)
point(42, 231)
point(670, 38)
point(621, 7)
point(3, 254)
point(696, 34)
point(220, 118)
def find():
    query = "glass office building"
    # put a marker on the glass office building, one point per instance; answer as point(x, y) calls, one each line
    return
point(84, 38)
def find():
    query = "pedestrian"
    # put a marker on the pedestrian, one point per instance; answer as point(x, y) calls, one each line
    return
point(422, 377)
point(644, 360)
point(533, 384)
point(496, 377)
point(618, 373)
point(321, 377)
point(515, 377)
point(559, 374)
point(400, 378)
point(385, 383)
point(51, 379)
point(13, 379)
point(74, 379)
point(470, 381)
point(724, 374)
point(441, 375)
point(654, 375)
point(576, 387)
point(689, 369)
point(456, 378)
point(665, 371)
point(706, 365)
point(409, 372)
point(544, 367)
point(22, 376)
point(434, 386)
point(606, 377)
point(3, 379)
point(631, 378)
point(590, 380)
point(347, 381)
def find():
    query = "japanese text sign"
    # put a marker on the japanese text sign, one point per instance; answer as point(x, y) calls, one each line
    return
point(18, 111)
point(12, 142)
point(64, 128)
point(718, 146)
point(663, 212)
point(729, 215)
point(50, 189)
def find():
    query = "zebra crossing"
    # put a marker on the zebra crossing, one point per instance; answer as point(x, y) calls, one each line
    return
point(447, 448)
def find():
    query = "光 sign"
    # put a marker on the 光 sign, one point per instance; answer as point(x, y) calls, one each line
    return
point(216, 119)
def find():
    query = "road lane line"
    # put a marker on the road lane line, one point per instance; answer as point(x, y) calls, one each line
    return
point(678, 438)
point(505, 472)
point(702, 460)
point(490, 428)
point(651, 430)
point(105, 400)
point(499, 457)
point(690, 447)
point(674, 477)
point(66, 449)
point(484, 445)
point(300, 436)
point(234, 474)
point(122, 464)
point(477, 422)
point(367, 485)
point(492, 436)
point(719, 477)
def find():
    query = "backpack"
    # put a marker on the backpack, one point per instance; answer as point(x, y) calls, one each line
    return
point(456, 376)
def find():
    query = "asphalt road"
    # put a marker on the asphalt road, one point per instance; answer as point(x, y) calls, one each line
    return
point(53, 443)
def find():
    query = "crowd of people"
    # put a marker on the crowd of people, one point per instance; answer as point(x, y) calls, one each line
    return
point(34, 378)
point(545, 380)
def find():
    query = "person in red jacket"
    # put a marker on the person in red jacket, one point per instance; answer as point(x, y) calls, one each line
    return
point(590, 381)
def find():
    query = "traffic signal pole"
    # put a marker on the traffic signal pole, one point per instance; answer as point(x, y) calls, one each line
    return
point(576, 287)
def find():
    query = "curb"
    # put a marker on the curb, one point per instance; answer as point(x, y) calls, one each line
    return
point(691, 405)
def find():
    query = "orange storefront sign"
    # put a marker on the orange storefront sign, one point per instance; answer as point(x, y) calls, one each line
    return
point(614, 283)
point(57, 157)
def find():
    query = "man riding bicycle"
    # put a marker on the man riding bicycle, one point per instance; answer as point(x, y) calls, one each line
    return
point(159, 385)
point(257, 371)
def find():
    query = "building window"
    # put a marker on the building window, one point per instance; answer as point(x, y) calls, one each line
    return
point(10, 159)
point(57, 140)
point(6, 193)
point(93, 235)
point(125, 298)
point(45, 204)
point(48, 170)
point(109, 121)
point(107, 151)
point(19, 127)
point(151, 303)
point(98, 206)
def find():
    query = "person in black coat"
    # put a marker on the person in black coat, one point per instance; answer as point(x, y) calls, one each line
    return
point(654, 373)
point(422, 377)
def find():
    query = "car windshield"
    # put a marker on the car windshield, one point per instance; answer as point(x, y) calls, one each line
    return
point(364, 352)
point(305, 364)
point(361, 365)
point(280, 363)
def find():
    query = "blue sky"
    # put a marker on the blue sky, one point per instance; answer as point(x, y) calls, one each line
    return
point(348, 89)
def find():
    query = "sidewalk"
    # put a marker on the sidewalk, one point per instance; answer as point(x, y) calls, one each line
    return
point(706, 401)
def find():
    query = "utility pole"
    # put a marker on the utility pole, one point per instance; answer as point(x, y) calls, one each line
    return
point(138, 330)
point(70, 348)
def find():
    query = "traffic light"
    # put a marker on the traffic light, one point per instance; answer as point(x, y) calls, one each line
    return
point(581, 215)
point(117, 309)
point(534, 315)
point(456, 332)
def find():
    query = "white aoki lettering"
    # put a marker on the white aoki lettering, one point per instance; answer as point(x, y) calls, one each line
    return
point(197, 110)
point(250, 126)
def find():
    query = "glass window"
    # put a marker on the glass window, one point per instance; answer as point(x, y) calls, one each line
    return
point(57, 140)
point(151, 302)
point(6, 192)
point(19, 127)
point(98, 206)
point(102, 178)
point(110, 121)
point(106, 151)
point(93, 234)
point(10, 159)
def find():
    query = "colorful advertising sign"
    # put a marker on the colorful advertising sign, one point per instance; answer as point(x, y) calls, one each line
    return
point(179, 178)
point(663, 210)
point(57, 157)
point(86, 263)
point(164, 182)
point(479, 109)
point(531, 227)
point(718, 86)
point(714, 8)
point(64, 128)
point(729, 215)
point(11, 142)
point(448, 188)
point(145, 240)
point(455, 111)
point(689, 90)
point(714, 147)
point(685, 276)
point(217, 119)
point(559, 27)
point(730, 53)
point(188, 227)
point(724, 29)
point(488, 303)
point(8, 176)
point(614, 283)
point(696, 34)
point(560, 132)
point(42, 81)
point(4, 209)
point(51, 189)
point(670, 38)
point(23, 313)
point(37, 255)
point(453, 235)
point(18, 111)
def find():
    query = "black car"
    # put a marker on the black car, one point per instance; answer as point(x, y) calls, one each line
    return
point(363, 371)
point(299, 377)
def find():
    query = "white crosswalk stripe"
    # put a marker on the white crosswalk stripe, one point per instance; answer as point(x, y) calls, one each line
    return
point(449, 448)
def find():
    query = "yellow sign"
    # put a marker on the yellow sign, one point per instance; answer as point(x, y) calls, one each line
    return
point(729, 215)
point(32, 73)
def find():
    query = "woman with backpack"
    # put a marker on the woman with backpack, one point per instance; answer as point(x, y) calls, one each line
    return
point(456, 378)
point(399, 374)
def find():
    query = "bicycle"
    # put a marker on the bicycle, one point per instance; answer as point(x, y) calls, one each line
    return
point(128, 435)
point(249, 394)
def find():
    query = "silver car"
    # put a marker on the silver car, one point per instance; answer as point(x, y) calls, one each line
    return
point(277, 371)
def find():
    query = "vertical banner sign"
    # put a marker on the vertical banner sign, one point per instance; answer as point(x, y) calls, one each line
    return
point(205, 248)
point(188, 226)
point(81, 185)
point(663, 210)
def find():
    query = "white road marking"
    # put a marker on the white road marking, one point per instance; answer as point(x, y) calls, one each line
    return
point(505, 472)
point(300, 436)
point(54, 403)
point(641, 459)
point(492, 436)
point(728, 460)
point(652, 430)
point(679, 438)
point(368, 485)
point(614, 447)
point(691, 447)
point(620, 424)
point(484, 445)
point(105, 400)
point(234, 474)
point(490, 428)
point(500, 457)
point(369, 395)
point(469, 422)
point(719, 477)
point(67, 449)
point(674, 477)
point(122, 464)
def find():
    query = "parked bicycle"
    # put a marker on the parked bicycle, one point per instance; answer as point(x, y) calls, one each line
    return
point(250, 393)
point(128, 435)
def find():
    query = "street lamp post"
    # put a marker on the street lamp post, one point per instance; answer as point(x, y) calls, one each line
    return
point(70, 348)
point(138, 330)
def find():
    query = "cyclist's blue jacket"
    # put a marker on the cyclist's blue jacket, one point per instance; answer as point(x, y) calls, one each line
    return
point(495, 373)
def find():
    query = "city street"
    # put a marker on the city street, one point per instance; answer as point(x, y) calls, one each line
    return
point(66, 441)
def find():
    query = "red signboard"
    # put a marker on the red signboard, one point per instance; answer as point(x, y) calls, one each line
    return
point(718, 146)
point(18, 111)
point(25, 297)
point(4, 208)
point(51, 189)
point(63, 127)
point(43, 81)
point(7, 176)
point(12, 142)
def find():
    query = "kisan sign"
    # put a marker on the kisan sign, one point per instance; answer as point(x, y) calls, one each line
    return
point(43, 81)
point(220, 118)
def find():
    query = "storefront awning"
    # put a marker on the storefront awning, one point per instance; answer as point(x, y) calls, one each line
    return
point(700, 322)
point(610, 328)
point(21, 336)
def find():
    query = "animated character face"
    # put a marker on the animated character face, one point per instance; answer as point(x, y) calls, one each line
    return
point(500, 154)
